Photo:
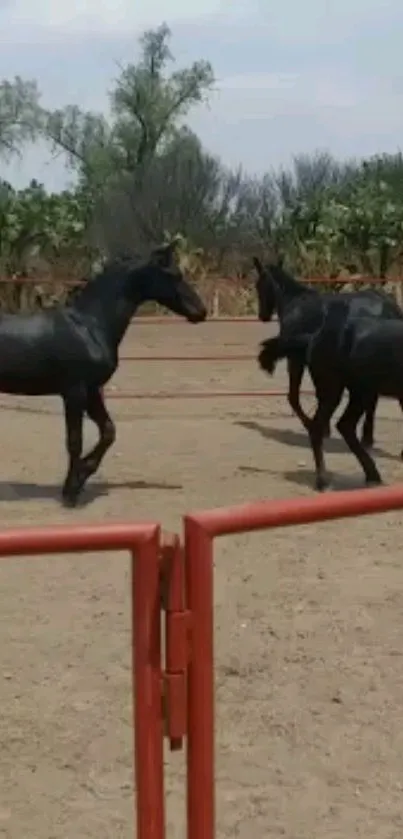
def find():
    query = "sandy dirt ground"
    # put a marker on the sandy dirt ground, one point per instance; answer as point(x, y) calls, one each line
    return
point(309, 629)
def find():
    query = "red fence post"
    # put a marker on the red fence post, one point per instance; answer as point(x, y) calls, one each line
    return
point(200, 741)
point(147, 676)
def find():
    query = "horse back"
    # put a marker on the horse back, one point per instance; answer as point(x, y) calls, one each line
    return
point(371, 303)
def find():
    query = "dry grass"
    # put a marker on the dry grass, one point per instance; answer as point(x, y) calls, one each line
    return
point(225, 296)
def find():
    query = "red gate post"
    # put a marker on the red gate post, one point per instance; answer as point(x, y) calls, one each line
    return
point(200, 740)
point(143, 540)
point(147, 677)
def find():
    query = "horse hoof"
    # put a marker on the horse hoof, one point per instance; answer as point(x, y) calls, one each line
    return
point(69, 502)
point(69, 498)
point(321, 484)
point(373, 482)
point(401, 455)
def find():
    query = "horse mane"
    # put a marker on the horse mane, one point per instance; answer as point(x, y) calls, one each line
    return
point(113, 271)
point(287, 282)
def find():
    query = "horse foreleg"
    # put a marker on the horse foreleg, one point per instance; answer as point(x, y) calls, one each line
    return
point(367, 437)
point(401, 405)
point(74, 403)
point(295, 374)
point(96, 410)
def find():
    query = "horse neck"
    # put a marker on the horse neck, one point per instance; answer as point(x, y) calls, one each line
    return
point(287, 290)
point(112, 304)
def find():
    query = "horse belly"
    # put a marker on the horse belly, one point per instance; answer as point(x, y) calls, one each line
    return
point(28, 366)
point(28, 374)
point(49, 363)
point(20, 386)
point(379, 369)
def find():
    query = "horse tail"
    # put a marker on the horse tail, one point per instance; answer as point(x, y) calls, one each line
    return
point(274, 349)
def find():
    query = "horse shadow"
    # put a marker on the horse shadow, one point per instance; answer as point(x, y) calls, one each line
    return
point(337, 483)
point(27, 491)
point(305, 477)
point(289, 437)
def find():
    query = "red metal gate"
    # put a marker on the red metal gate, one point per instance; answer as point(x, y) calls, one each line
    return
point(143, 542)
point(200, 530)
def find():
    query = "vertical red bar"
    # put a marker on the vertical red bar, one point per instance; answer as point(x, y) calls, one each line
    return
point(147, 675)
point(200, 741)
point(176, 642)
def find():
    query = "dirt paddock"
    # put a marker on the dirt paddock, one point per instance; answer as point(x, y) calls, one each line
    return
point(309, 629)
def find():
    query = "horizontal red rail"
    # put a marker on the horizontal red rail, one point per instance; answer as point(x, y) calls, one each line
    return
point(188, 358)
point(296, 511)
point(218, 394)
point(164, 319)
point(65, 539)
point(35, 281)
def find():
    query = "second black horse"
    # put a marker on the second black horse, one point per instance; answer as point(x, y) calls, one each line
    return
point(363, 355)
point(301, 310)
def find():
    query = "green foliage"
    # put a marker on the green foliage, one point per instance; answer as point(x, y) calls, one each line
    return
point(20, 115)
point(146, 105)
point(33, 222)
point(353, 224)
point(143, 175)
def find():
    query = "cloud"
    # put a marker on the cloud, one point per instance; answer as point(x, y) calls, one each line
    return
point(290, 78)
point(285, 114)
point(98, 17)
point(317, 22)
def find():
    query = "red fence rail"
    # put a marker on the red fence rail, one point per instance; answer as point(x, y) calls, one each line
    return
point(231, 357)
point(200, 530)
point(360, 280)
point(213, 394)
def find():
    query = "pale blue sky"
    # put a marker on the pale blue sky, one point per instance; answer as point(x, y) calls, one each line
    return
point(291, 77)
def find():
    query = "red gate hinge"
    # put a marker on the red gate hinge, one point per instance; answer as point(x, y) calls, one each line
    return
point(177, 628)
point(177, 642)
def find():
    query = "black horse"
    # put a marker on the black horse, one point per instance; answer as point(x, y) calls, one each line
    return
point(361, 354)
point(72, 350)
point(301, 309)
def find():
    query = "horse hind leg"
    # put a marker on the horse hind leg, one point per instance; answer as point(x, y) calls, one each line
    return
point(317, 432)
point(367, 437)
point(401, 405)
point(347, 427)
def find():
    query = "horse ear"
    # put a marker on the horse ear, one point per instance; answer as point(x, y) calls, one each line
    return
point(258, 265)
point(164, 255)
point(280, 260)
